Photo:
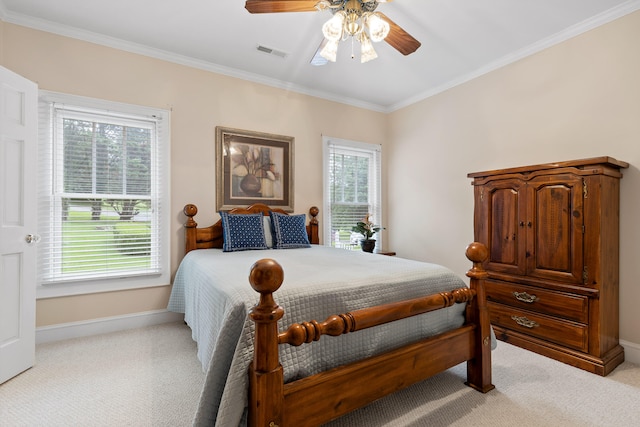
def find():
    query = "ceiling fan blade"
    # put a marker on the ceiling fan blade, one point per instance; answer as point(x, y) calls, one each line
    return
point(318, 59)
point(274, 6)
point(402, 41)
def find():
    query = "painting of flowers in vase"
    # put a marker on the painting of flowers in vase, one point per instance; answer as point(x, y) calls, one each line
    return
point(253, 167)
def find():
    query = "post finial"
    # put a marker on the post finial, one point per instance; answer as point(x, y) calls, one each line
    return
point(266, 276)
point(190, 210)
point(477, 252)
point(314, 211)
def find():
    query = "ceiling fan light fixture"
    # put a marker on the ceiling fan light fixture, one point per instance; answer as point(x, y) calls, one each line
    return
point(330, 50)
point(333, 28)
point(378, 27)
point(352, 19)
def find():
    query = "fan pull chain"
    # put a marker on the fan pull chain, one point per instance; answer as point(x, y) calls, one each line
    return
point(353, 55)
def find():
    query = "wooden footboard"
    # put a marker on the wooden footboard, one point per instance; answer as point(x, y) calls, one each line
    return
point(320, 398)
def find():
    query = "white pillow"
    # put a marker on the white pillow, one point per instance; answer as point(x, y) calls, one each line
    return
point(268, 237)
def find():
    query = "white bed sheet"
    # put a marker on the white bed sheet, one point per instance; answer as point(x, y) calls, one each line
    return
point(212, 289)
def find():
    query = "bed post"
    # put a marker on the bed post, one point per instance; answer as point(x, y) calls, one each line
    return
point(266, 378)
point(312, 228)
point(479, 368)
point(190, 227)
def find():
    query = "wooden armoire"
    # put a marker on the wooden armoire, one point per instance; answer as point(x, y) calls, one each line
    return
point(553, 236)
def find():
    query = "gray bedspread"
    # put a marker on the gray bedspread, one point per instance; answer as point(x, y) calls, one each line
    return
point(212, 289)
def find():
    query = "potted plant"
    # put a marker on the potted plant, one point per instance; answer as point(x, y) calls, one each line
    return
point(367, 229)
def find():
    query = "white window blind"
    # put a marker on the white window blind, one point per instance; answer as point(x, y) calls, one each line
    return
point(104, 192)
point(352, 173)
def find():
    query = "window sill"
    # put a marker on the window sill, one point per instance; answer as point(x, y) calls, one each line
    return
point(63, 289)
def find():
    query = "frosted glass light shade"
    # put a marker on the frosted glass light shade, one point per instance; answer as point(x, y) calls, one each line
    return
point(378, 28)
point(332, 29)
point(367, 52)
point(330, 50)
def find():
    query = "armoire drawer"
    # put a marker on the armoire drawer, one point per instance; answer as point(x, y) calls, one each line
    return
point(560, 331)
point(557, 304)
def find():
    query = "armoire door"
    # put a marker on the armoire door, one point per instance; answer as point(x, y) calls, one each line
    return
point(556, 233)
point(500, 216)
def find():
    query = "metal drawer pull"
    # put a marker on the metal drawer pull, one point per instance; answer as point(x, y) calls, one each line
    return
point(523, 321)
point(525, 297)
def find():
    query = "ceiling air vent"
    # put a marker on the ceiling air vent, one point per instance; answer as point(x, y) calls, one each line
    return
point(271, 51)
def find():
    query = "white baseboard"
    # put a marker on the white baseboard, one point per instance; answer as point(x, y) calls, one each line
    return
point(631, 351)
point(104, 325)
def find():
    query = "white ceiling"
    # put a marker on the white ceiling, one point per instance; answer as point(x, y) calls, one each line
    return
point(461, 39)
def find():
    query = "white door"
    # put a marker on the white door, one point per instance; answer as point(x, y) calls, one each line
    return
point(18, 221)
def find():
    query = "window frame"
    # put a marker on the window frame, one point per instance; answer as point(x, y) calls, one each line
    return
point(47, 179)
point(373, 150)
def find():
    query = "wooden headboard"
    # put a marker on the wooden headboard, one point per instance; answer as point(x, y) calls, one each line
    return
point(211, 237)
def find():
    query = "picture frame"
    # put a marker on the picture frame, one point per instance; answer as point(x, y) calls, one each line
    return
point(253, 167)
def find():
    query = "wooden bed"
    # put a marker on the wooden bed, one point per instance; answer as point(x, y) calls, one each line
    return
point(320, 398)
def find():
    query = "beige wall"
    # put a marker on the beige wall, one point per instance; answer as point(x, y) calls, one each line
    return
point(199, 101)
point(578, 99)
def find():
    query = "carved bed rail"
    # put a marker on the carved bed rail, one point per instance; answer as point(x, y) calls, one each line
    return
point(322, 397)
point(338, 324)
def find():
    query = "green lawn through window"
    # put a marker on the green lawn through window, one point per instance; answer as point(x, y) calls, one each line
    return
point(105, 244)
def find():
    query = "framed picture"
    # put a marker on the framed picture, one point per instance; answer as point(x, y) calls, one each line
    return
point(253, 167)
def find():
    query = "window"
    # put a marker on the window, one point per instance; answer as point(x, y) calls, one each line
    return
point(103, 196)
point(351, 190)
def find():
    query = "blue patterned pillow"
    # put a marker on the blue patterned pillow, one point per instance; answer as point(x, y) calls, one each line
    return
point(242, 232)
point(289, 231)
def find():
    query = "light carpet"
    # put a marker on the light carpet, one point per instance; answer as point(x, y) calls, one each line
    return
point(151, 377)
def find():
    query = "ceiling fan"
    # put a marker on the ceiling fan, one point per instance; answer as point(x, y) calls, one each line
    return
point(351, 18)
